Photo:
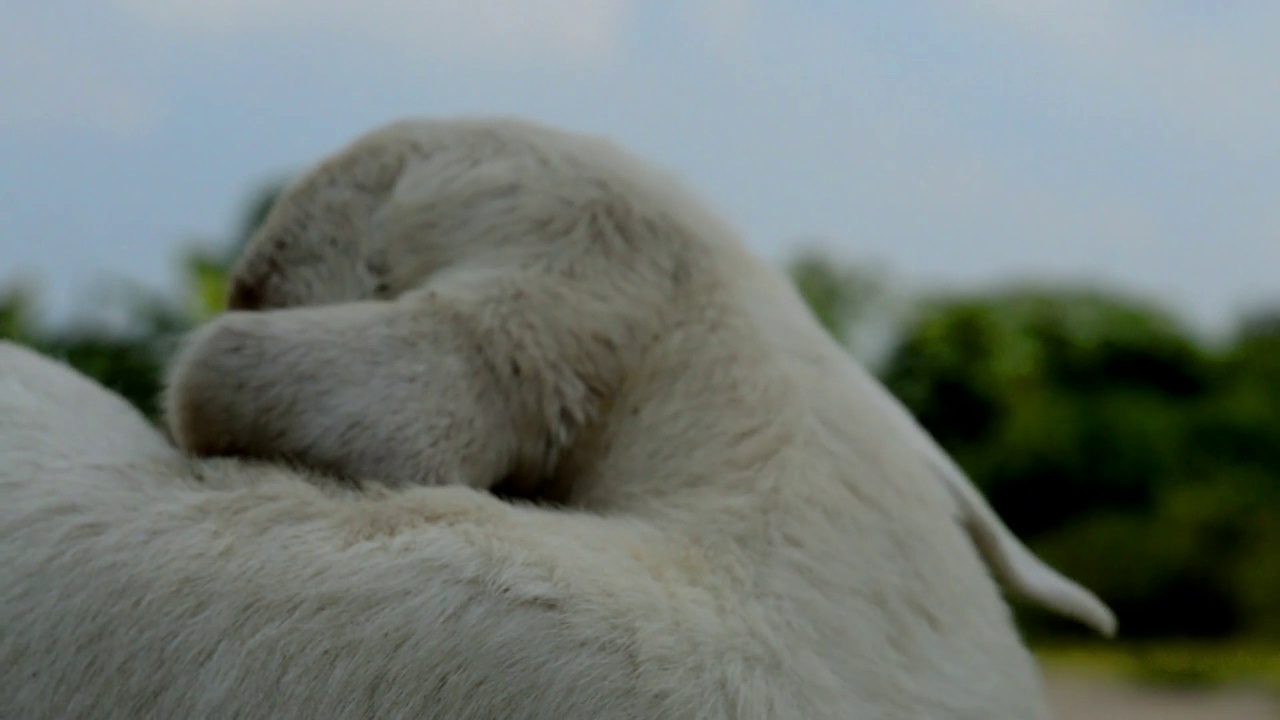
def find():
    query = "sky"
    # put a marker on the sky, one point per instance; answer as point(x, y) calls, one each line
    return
point(1129, 143)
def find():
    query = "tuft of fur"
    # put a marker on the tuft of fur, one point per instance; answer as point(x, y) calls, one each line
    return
point(747, 524)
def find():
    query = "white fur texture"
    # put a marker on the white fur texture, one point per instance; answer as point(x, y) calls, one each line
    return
point(750, 525)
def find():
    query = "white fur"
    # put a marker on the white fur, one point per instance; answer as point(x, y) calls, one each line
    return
point(750, 526)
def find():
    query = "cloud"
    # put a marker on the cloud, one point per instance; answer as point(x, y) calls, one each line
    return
point(728, 24)
point(1203, 68)
point(573, 30)
point(49, 80)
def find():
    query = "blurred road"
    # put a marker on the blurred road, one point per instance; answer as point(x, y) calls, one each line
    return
point(1082, 697)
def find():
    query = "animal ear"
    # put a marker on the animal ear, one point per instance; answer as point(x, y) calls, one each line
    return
point(1012, 563)
point(398, 248)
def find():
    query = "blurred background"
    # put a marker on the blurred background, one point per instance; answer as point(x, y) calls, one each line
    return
point(1051, 227)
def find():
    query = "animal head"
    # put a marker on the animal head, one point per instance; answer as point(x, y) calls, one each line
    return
point(311, 246)
point(420, 196)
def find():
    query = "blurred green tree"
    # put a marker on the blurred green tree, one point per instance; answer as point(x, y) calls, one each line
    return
point(17, 308)
point(1056, 401)
point(1122, 448)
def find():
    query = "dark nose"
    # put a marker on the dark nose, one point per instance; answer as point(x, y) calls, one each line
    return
point(245, 295)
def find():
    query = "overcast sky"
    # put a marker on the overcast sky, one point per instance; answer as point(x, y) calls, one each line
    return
point(1132, 142)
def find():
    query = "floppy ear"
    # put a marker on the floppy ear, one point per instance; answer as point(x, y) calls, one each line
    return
point(310, 248)
point(434, 218)
point(1012, 563)
point(399, 253)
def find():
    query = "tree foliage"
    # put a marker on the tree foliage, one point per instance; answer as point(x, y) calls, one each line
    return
point(1130, 454)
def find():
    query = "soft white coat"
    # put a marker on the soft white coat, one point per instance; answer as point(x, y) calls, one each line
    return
point(719, 514)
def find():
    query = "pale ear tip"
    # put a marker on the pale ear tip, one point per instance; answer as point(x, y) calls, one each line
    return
point(1109, 628)
point(1103, 622)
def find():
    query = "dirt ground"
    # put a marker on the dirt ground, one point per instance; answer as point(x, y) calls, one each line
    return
point(1083, 697)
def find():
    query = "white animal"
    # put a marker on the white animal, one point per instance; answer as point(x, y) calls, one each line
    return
point(745, 523)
